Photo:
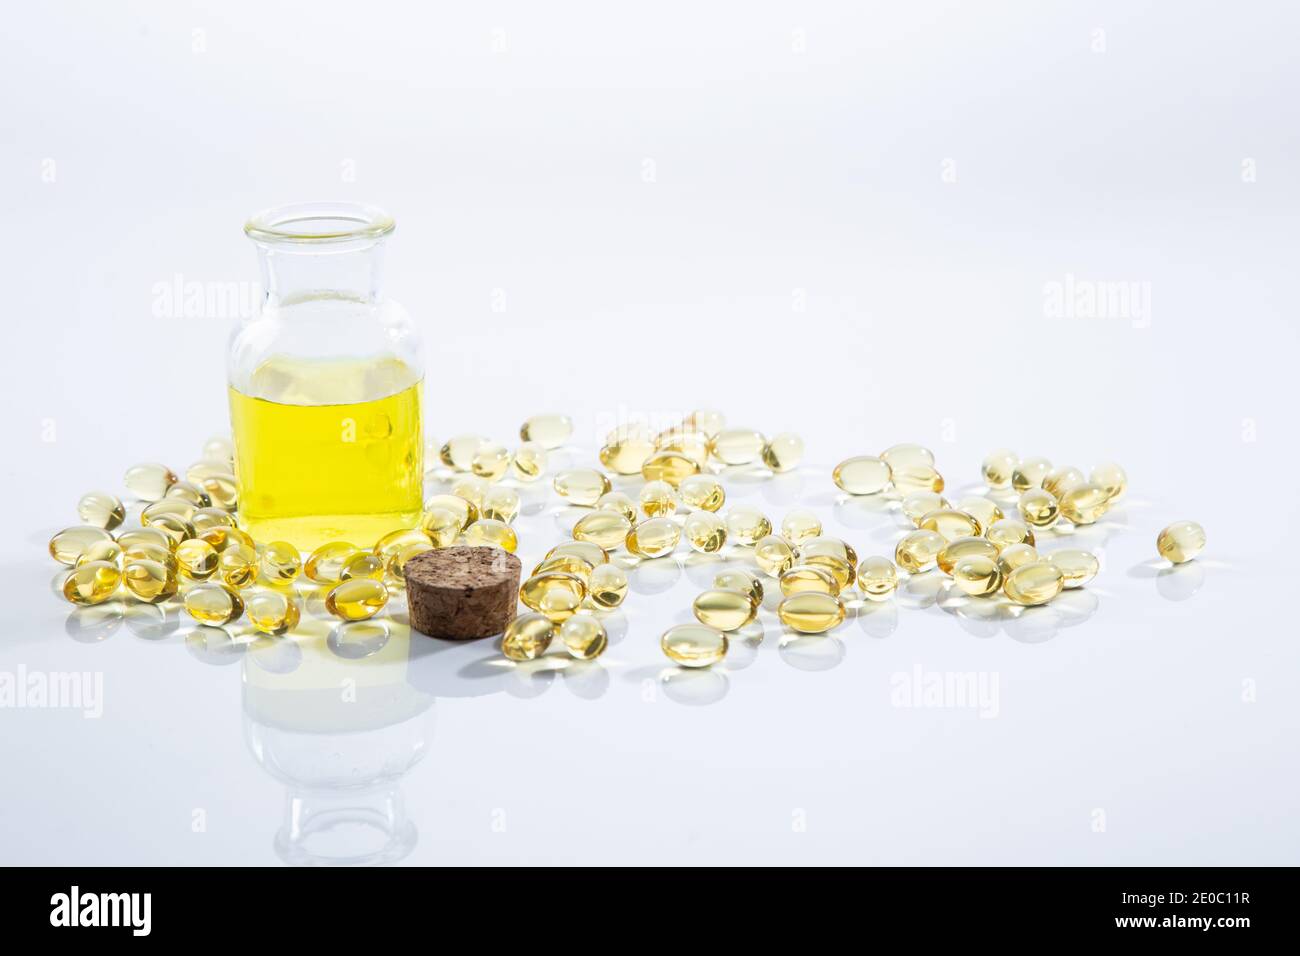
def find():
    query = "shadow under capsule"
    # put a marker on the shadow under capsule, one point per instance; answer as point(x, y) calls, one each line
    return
point(694, 686)
point(95, 624)
point(811, 652)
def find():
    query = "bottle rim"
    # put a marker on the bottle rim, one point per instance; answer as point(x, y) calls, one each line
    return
point(319, 222)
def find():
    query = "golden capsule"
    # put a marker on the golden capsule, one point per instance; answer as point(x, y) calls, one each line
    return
point(706, 421)
point(799, 578)
point(213, 604)
point(877, 578)
point(1038, 508)
point(1008, 531)
point(726, 609)
point(607, 585)
point(222, 490)
point(458, 453)
point(694, 645)
point(490, 533)
point(919, 550)
point(658, 499)
point(998, 467)
point(920, 503)
point(442, 526)
point(908, 481)
point(150, 581)
point(471, 488)
point(197, 559)
point(670, 466)
point(1112, 478)
point(746, 524)
point(694, 445)
point(527, 637)
point(92, 583)
point(529, 461)
point(71, 543)
point(168, 507)
point(200, 471)
point(620, 502)
point(500, 503)
point(1030, 473)
point(738, 579)
point(175, 527)
point(841, 569)
point(1034, 583)
point(702, 492)
point(151, 552)
point(192, 493)
point(554, 593)
point(810, 612)
point(705, 532)
point(490, 462)
point(593, 554)
point(905, 456)
point(1078, 566)
point(395, 570)
point(237, 566)
point(464, 509)
point(109, 551)
point(653, 538)
point(1181, 541)
point(983, 510)
point(959, 548)
point(273, 612)
point(581, 486)
point(862, 475)
point(1084, 504)
point(150, 481)
point(395, 541)
point(206, 518)
point(225, 538)
point(800, 525)
point(737, 446)
point(627, 453)
point(102, 510)
point(950, 523)
point(549, 431)
point(608, 529)
point(356, 600)
point(1061, 479)
point(565, 564)
point(783, 453)
point(1016, 556)
point(145, 536)
point(977, 575)
point(827, 545)
point(325, 564)
point(584, 637)
point(366, 564)
point(773, 555)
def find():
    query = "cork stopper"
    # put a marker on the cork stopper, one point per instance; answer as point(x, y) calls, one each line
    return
point(462, 593)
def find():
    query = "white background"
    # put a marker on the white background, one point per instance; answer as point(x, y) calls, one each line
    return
point(836, 219)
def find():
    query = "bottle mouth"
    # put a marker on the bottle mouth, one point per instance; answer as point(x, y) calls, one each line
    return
point(319, 223)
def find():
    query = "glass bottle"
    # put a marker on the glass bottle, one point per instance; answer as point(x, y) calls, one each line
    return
point(325, 384)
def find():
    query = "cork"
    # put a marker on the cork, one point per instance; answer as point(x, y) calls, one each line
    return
point(462, 593)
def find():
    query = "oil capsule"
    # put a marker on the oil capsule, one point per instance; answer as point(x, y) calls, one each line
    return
point(739, 579)
point(584, 637)
point(593, 554)
point(238, 566)
point(1030, 473)
point(356, 600)
point(325, 564)
point(1112, 478)
point(1008, 531)
point(862, 475)
point(488, 532)
point(223, 538)
point(694, 445)
point(920, 503)
point(627, 453)
point(471, 488)
point(150, 581)
point(773, 555)
point(1084, 504)
point(783, 452)
point(905, 456)
point(919, 550)
point(149, 481)
point(566, 564)
point(458, 453)
point(977, 575)
point(109, 551)
point(1038, 508)
point(658, 499)
point(800, 525)
point(192, 493)
point(620, 502)
point(607, 586)
point(705, 532)
point(653, 538)
point(102, 510)
point(151, 552)
point(746, 524)
point(213, 604)
point(395, 570)
point(840, 569)
point(669, 465)
point(527, 637)
point(950, 523)
point(222, 490)
point(706, 421)
point(608, 529)
point(811, 613)
point(206, 518)
point(442, 525)
point(365, 564)
point(1035, 583)
point(71, 543)
point(981, 509)
point(92, 583)
point(1015, 556)
point(1078, 566)
point(737, 446)
point(877, 578)
point(727, 609)
point(500, 503)
point(549, 431)
point(464, 509)
point(176, 528)
point(197, 559)
point(395, 541)
point(799, 578)
point(201, 471)
point(702, 492)
point(553, 593)
point(529, 461)
point(272, 612)
point(908, 481)
point(967, 547)
point(581, 486)
point(998, 467)
point(826, 545)
point(1181, 541)
point(694, 645)
point(490, 462)
point(1061, 479)
point(168, 508)
point(145, 536)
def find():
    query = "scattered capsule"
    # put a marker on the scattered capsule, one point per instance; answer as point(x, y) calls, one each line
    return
point(959, 548)
point(222, 490)
point(356, 600)
point(627, 453)
point(919, 550)
point(192, 493)
point(669, 466)
point(593, 554)
point(527, 637)
point(1016, 556)
point(705, 532)
point(549, 431)
point(458, 453)
point(810, 612)
point(799, 578)
point(950, 523)
point(168, 508)
point(1061, 479)
point(71, 543)
point(1038, 508)
point(213, 604)
point(471, 488)
point(906, 456)
point(1084, 504)
point(566, 564)
point(702, 492)
point(863, 475)
point(109, 551)
point(150, 481)
point(607, 585)
point(826, 545)
point(175, 527)
point(1111, 477)
point(238, 566)
point(529, 461)
point(197, 559)
point(737, 446)
point(464, 509)
point(442, 525)
point(365, 564)
point(490, 462)
point(325, 564)
point(694, 445)
point(1078, 566)
point(584, 637)
point(92, 583)
point(102, 510)
point(877, 578)
point(694, 645)
point(977, 575)
point(608, 529)
point(658, 499)
point(841, 569)
point(207, 518)
point(1035, 583)
point(620, 502)
point(145, 536)
point(920, 503)
point(1008, 531)
point(501, 503)
point(783, 453)
point(773, 555)
point(201, 471)
point(488, 532)
point(653, 538)
point(1030, 473)
point(746, 524)
point(395, 569)
point(917, 478)
point(272, 612)
point(553, 593)
point(727, 609)
point(982, 509)
point(706, 421)
point(739, 579)
point(800, 525)
point(581, 486)
point(225, 538)
point(150, 581)
point(1181, 541)
point(998, 468)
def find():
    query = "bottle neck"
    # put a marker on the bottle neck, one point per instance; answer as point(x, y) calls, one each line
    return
point(296, 273)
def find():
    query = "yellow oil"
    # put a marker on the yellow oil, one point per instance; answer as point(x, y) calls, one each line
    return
point(328, 450)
